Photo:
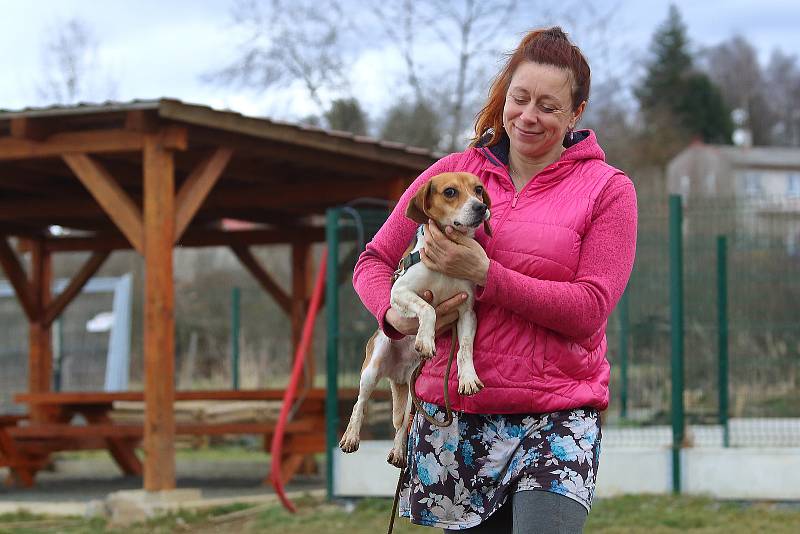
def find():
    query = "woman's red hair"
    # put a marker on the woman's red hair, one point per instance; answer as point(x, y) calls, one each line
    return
point(549, 46)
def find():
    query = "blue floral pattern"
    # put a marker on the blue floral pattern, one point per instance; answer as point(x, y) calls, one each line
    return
point(461, 474)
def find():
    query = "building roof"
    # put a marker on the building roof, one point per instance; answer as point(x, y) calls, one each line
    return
point(758, 156)
point(279, 173)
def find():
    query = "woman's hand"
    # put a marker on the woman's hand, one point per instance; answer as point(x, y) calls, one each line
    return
point(454, 254)
point(446, 315)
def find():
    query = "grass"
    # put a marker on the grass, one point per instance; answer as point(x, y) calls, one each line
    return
point(622, 515)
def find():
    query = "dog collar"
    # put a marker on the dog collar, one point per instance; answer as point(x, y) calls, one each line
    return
point(410, 259)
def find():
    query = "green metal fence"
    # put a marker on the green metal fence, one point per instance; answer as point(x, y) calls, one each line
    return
point(704, 345)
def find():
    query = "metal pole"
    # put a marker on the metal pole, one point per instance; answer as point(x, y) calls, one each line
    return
point(332, 313)
point(676, 333)
point(235, 327)
point(722, 329)
point(624, 334)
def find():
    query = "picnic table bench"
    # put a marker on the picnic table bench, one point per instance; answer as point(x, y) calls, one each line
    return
point(26, 443)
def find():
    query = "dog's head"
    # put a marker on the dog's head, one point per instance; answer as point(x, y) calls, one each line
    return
point(456, 199)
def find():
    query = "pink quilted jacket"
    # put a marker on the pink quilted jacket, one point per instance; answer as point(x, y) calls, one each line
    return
point(560, 256)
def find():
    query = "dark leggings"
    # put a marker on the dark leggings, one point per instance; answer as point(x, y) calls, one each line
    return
point(533, 512)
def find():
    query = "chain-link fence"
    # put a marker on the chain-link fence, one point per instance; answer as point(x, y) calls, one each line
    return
point(741, 335)
point(740, 339)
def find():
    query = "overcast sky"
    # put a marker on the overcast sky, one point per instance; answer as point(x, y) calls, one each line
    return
point(160, 48)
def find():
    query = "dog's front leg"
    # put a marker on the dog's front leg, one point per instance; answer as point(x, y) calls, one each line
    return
point(409, 304)
point(468, 381)
point(397, 456)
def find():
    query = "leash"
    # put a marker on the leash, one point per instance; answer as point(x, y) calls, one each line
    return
point(417, 407)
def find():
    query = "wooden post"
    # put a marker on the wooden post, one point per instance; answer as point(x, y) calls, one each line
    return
point(159, 320)
point(40, 362)
point(302, 280)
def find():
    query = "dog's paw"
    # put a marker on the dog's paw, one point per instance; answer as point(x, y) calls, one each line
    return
point(425, 346)
point(469, 384)
point(397, 458)
point(349, 443)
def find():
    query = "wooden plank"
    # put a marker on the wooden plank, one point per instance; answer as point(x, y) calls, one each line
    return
point(388, 153)
point(121, 450)
point(251, 263)
point(101, 397)
point(88, 270)
point(111, 197)
point(16, 276)
point(128, 431)
point(159, 319)
point(91, 141)
point(195, 189)
point(192, 238)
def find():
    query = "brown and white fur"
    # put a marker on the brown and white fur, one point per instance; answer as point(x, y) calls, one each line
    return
point(456, 199)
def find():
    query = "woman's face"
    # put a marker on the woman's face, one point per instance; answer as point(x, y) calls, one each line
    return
point(538, 110)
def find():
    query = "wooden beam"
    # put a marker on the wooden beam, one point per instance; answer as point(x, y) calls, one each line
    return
point(40, 345)
point(197, 186)
point(159, 320)
point(88, 270)
point(92, 141)
point(251, 263)
point(18, 279)
point(199, 237)
point(302, 281)
point(140, 120)
point(325, 192)
point(111, 197)
point(28, 128)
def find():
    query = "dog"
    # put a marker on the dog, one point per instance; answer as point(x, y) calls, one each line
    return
point(459, 200)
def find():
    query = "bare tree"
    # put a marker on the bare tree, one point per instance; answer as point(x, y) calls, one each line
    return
point(287, 41)
point(783, 88)
point(71, 66)
point(466, 32)
point(733, 66)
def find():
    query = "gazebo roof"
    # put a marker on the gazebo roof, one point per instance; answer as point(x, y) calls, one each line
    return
point(271, 173)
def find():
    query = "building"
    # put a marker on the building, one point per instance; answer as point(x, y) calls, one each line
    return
point(758, 186)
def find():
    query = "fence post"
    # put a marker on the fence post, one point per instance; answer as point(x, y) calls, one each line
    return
point(235, 327)
point(676, 333)
point(332, 314)
point(624, 334)
point(722, 330)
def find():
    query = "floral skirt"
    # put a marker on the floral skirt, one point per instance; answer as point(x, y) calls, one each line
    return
point(461, 474)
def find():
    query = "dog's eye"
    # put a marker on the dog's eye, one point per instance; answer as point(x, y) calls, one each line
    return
point(450, 192)
point(479, 190)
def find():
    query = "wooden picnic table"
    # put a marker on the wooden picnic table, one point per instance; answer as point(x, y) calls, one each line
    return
point(26, 443)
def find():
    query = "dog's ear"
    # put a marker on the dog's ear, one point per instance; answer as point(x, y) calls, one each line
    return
point(488, 202)
point(417, 209)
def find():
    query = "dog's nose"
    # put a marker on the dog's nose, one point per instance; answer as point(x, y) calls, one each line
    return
point(480, 208)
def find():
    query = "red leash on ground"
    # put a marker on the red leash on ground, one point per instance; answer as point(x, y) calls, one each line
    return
point(276, 449)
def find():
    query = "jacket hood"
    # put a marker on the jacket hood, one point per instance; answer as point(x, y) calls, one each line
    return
point(583, 147)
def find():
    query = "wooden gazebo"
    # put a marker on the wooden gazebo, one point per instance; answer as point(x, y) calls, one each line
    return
point(153, 175)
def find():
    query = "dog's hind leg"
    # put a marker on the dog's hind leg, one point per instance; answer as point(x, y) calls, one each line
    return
point(399, 402)
point(401, 415)
point(377, 350)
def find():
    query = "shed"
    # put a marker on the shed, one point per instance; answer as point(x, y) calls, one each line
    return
point(153, 175)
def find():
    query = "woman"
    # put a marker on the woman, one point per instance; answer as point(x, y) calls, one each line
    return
point(522, 454)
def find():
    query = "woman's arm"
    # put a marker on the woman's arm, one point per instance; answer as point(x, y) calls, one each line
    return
point(577, 309)
point(372, 276)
